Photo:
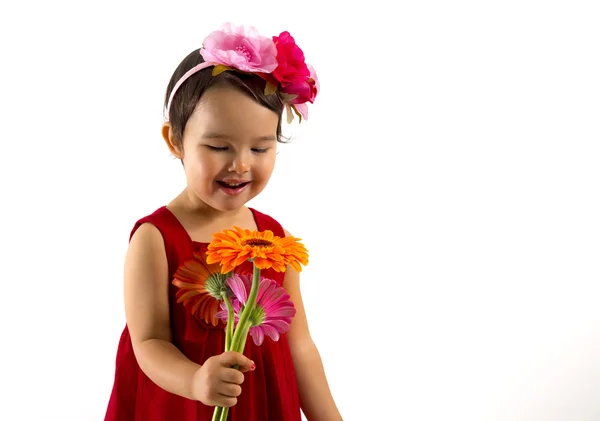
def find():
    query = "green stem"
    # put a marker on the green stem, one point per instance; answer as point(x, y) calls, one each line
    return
point(244, 330)
point(230, 321)
point(244, 337)
point(249, 307)
point(238, 342)
point(218, 414)
point(224, 414)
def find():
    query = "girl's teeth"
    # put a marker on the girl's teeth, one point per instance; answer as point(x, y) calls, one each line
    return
point(233, 186)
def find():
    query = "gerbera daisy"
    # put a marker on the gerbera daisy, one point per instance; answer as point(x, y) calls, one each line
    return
point(272, 314)
point(232, 248)
point(200, 287)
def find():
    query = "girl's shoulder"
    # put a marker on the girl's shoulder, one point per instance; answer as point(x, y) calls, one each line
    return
point(175, 239)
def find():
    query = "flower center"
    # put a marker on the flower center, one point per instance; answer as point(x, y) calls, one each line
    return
point(257, 242)
point(242, 50)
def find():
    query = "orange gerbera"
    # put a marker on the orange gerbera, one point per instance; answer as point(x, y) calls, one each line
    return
point(231, 248)
point(191, 279)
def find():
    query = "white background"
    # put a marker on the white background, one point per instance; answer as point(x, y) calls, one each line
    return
point(446, 185)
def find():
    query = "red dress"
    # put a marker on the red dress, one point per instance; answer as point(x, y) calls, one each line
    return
point(269, 393)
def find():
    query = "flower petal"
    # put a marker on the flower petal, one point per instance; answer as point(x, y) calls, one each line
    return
point(257, 334)
point(270, 331)
point(236, 283)
point(281, 325)
point(222, 314)
point(281, 312)
point(232, 248)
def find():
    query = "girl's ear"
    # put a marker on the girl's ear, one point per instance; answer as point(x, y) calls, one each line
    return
point(172, 144)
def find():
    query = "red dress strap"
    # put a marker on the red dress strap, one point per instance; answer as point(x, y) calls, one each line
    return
point(176, 239)
point(265, 222)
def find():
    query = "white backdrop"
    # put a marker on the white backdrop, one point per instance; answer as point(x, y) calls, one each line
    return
point(446, 185)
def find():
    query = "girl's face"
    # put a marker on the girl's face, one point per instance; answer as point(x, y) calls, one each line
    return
point(229, 148)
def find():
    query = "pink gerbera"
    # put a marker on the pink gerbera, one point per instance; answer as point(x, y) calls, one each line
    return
point(272, 313)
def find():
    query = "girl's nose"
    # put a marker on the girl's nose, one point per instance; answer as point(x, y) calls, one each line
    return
point(240, 164)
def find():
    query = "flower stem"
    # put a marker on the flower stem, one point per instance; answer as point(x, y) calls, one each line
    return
point(244, 335)
point(238, 342)
point(218, 413)
point(249, 307)
point(241, 332)
point(224, 414)
point(230, 321)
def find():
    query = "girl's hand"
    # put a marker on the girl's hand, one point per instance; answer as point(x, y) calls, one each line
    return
point(217, 383)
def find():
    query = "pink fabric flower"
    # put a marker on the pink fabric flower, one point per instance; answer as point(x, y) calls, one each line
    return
point(301, 93)
point(273, 312)
point(241, 48)
point(291, 67)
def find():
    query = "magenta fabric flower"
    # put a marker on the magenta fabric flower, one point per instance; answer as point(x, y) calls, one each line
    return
point(291, 67)
point(273, 312)
point(241, 48)
point(301, 93)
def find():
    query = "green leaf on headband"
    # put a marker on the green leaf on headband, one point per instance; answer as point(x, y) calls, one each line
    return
point(298, 114)
point(218, 69)
point(288, 97)
point(289, 113)
point(270, 88)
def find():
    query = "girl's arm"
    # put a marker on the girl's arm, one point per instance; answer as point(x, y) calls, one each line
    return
point(215, 383)
point(315, 396)
point(147, 313)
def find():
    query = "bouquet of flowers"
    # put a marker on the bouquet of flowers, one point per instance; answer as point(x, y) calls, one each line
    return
point(249, 304)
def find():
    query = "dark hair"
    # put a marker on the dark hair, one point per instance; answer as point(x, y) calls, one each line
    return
point(189, 93)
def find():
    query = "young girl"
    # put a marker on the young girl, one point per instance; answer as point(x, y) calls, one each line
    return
point(224, 107)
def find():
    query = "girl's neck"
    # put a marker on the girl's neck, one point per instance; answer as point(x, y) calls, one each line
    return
point(201, 221)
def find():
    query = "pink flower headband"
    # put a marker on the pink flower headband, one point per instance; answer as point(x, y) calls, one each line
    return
point(278, 60)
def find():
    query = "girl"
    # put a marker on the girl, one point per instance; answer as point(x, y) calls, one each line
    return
point(224, 107)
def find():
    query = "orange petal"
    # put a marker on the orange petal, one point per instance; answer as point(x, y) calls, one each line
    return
point(265, 263)
point(187, 295)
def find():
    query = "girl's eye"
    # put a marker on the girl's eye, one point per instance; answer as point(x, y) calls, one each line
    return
point(217, 148)
point(260, 150)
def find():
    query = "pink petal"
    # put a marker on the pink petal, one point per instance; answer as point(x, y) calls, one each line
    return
point(235, 303)
point(263, 289)
point(222, 315)
point(280, 302)
point(313, 75)
point(280, 325)
point(246, 31)
point(302, 109)
point(271, 332)
point(257, 334)
point(240, 47)
point(236, 283)
point(282, 312)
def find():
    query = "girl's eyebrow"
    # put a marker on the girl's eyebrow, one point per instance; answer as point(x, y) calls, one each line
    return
point(215, 135)
point(270, 137)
